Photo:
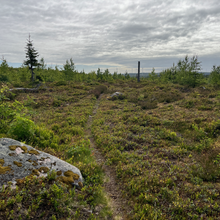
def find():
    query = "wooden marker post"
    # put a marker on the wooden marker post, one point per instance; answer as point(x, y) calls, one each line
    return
point(138, 76)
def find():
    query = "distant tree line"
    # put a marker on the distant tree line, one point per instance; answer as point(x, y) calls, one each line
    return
point(185, 72)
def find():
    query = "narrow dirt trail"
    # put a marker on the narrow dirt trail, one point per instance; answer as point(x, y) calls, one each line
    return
point(111, 187)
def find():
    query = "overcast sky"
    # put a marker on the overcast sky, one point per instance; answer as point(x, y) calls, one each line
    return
point(112, 34)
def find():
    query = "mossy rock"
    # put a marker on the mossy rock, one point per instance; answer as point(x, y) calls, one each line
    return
point(18, 160)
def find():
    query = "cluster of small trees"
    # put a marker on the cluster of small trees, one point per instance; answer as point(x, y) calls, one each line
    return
point(186, 72)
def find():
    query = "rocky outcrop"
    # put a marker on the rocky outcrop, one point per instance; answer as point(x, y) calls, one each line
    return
point(18, 160)
point(116, 95)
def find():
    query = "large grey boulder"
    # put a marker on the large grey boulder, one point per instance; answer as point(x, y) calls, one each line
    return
point(18, 160)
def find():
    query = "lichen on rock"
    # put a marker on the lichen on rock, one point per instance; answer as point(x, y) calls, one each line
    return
point(3, 170)
point(24, 149)
point(35, 172)
point(33, 152)
point(13, 147)
point(2, 162)
point(17, 163)
point(34, 163)
point(68, 178)
point(59, 173)
point(80, 184)
point(19, 160)
point(44, 169)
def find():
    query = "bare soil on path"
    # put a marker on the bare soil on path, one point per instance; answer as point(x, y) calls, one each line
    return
point(111, 186)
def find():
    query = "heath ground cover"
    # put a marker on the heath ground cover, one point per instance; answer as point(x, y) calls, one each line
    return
point(163, 142)
point(54, 121)
point(161, 139)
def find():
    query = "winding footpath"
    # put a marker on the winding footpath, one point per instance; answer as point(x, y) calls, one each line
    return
point(111, 187)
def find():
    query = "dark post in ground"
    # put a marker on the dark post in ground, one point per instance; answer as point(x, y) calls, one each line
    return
point(138, 76)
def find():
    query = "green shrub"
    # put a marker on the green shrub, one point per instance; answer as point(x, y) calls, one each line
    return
point(208, 167)
point(4, 71)
point(61, 83)
point(214, 77)
point(212, 95)
point(189, 104)
point(80, 152)
point(99, 90)
point(51, 175)
point(76, 130)
point(45, 138)
point(3, 78)
point(148, 104)
point(205, 108)
point(22, 128)
point(120, 97)
point(153, 76)
point(168, 96)
point(184, 73)
point(56, 103)
point(55, 127)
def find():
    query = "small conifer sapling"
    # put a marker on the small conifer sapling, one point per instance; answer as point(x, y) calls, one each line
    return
point(31, 57)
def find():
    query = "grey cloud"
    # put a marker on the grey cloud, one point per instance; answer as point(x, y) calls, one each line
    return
point(109, 32)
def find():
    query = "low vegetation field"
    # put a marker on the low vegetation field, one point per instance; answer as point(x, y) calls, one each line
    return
point(163, 142)
point(161, 139)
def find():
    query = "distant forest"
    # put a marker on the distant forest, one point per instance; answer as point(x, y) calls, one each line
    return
point(185, 72)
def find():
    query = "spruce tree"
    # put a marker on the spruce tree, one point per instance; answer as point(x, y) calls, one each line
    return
point(31, 57)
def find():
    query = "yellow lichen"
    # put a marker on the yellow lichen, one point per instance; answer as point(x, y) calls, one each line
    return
point(17, 163)
point(29, 160)
point(33, 152)
point(34, 163)
point(68, 178)
point(35, 172)
point(59, 173)
point(19, 181)
point(12, 154)
point(44, 169)
point(3, 170)
point(80, 184)
point(13, 147)
point(24, 149)
point(69, 173)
